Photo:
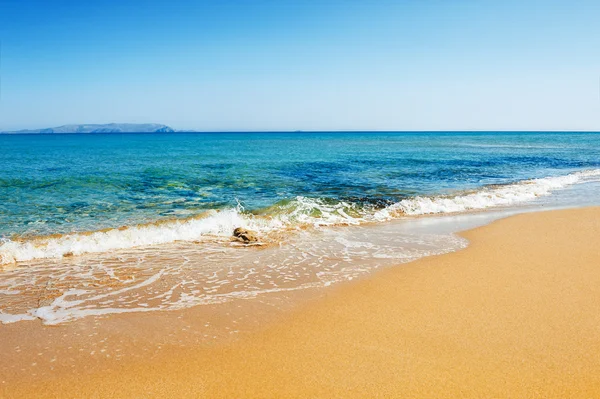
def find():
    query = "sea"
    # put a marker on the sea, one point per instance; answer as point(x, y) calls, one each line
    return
point(99, 224)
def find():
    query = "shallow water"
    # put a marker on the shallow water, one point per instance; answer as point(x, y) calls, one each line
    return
point(331, 207)
point(64, 183)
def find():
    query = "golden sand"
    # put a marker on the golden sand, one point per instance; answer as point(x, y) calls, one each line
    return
point(515, 315)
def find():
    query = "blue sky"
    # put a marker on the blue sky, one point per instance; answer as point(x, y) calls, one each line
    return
point(302, 65)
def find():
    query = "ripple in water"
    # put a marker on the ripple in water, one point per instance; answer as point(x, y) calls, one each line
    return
point(183, 274)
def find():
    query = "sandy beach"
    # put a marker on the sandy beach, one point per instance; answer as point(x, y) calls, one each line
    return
point(515, 315)
point(299, 199)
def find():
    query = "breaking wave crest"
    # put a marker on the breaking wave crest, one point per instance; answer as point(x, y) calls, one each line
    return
point(488, 197)
point(298, 213)
point(214, 224)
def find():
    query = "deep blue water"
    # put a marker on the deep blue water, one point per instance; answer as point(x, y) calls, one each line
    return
point(64, 183)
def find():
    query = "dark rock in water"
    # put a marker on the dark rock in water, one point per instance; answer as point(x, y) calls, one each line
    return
point(245, 235)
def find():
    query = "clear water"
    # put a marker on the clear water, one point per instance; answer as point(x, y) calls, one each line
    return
point(64, 183)
point(94, 225)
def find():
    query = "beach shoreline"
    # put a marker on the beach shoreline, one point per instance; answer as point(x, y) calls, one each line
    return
point(515, 314)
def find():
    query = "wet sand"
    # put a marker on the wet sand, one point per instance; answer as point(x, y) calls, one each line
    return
point(516, 314)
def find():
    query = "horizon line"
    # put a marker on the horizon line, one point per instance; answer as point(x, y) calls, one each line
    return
point(20, 132)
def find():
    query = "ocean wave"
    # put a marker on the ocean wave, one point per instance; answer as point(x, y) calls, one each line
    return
point(213, 224)
point(515, 146)
point(488, 197)
point(297, 213)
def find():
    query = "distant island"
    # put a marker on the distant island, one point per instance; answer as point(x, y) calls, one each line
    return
point(105, 128)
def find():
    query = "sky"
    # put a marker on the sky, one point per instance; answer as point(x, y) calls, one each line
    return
point(277, 65)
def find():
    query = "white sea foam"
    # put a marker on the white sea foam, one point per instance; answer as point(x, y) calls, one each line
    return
point(13, 318)
point(179, 276)
point(301, 211)
point(317, 212)
point(489, 197)
point(215, 224)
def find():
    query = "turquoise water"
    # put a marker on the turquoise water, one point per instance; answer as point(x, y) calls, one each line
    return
point(78, 213)
point(68, 183)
